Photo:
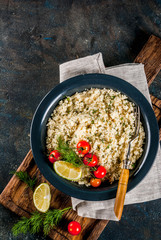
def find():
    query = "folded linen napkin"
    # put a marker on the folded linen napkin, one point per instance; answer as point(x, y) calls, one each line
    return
point(150, 187)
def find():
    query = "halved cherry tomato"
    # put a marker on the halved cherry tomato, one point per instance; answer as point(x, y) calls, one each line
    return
point(83, 147)
point(90, 160)
point(95, 182)
point(74, 228)
point(54, 156)
point(100, 172)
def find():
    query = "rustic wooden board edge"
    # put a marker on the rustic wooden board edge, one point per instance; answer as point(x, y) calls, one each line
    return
point(150, 56)
point(156, 101)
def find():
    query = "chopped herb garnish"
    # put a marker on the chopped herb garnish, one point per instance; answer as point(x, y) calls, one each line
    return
point(133, 165)
point(92, 121)
point(89, 139)
point(94, 111)
point(98, 147)
point(112, 97)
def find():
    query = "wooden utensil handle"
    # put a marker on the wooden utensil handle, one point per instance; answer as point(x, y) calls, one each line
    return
point(121, 192)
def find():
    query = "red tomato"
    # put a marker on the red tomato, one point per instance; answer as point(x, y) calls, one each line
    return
point(74, 228)
point(83, 147)
point(100, 172)
point(54, 156)
point(90, 160)
point(95, 182)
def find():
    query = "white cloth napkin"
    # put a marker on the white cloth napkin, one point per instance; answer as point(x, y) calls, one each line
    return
point(150, 187)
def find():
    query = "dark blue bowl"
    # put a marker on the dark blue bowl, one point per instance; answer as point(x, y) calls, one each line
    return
point(79, 84)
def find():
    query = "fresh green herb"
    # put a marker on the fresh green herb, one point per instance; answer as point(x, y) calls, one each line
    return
point(94, 111)
point(122, 118)
point(24, 177)
point(68, 154)
point(52, 219)
point(92, 169)
point(112, 97)
point(108, 146)
point(39, 221)
point(92, 121)
point(98, 148)
point(68, 99)
point(89, 139)
point(133, 165)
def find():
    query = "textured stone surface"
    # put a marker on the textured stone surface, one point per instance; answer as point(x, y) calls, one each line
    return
point(36, 36)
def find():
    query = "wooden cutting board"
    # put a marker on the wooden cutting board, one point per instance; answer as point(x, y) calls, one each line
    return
point(18, 198)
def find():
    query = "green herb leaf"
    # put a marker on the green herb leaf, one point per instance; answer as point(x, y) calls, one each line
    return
point(133, 165)
point(112, 97)
point(22, 226)
point(39, 221)
point(68, 154)
point(24, 177)
point(94, 111)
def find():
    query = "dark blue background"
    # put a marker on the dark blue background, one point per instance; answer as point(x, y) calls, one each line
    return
point(37, 36)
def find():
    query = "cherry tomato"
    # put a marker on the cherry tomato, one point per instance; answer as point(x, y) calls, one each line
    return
point(74, 228)
point(54, 156)
point(90, 160)
point(95, 182)
point(100, 172)
point(83, 147)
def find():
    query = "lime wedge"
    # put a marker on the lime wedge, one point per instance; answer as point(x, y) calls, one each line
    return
point(67, 170)
point(41, 197)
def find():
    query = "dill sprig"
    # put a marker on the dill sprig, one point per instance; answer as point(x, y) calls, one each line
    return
point(52, 219)
point(24, 177)
point(39, 222)
point(68, 154)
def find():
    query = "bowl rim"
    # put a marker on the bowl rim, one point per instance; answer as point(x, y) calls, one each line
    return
point(94, 79)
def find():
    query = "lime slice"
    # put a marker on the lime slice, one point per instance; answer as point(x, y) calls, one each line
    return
point(41, 197)
point(67, 170)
